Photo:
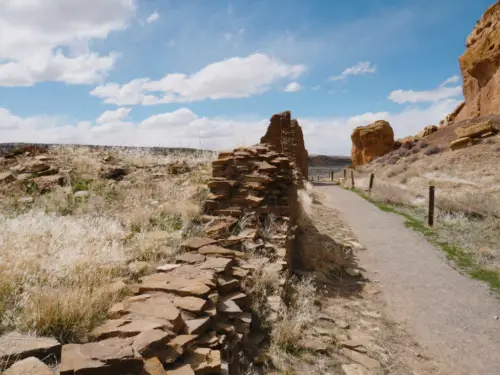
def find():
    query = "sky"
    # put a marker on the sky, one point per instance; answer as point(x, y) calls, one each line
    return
point(210, 73)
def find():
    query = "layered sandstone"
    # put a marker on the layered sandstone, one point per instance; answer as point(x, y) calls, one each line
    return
point(369, 142)
point(285, 135)
point(480, 67)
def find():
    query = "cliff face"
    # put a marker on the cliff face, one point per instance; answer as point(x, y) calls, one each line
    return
point(369, 142)
point(285, 135)
point(480, 65)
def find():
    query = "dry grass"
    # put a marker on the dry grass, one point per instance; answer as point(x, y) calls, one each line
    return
point(61, 256)
point(467, 185)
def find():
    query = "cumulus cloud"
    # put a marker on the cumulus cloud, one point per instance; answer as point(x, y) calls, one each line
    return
point(49, 40)
point(153, 17)
point(361, 68)
point(236, 77)
point(292, 87)
point(183, 127)
point(440, 93)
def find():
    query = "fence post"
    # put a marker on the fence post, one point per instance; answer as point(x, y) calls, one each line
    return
point(352, 178)
point(430, 219)
point(372, 176)
point(318, 178)
point(331, 176)
point(345, 174)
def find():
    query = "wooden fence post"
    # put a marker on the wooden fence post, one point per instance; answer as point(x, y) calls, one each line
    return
point(331, 176)
point(372, 176)
point(352, 178)
point(345, 174)
point(430, 219)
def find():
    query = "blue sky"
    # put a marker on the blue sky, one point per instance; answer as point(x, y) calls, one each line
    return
point(201, 73)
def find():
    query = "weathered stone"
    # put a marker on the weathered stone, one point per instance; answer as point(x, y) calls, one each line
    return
point(361, 358)
point(182, 341)
point(197, 326)
point(124, 328)
point(15, 346)
point(220, 251)
point(167, 267)
point(228, 284)
point(109, 357)
point(369, 142)
point(217, 264)
point(354, 369)
point(205, 361)
point(162, 282)
point(241, 299)
point(6, 177)
point(221, 184)
point(28, 366)
point(156, 306)
point(148, 342)
point(153, 366)
point(248, 201)
point(181, 370)
point(460, 143)
point(208, 340)
point(480, 65)
point(45, 183)
point(285, 136)
point(113, 173)
point(193, 304)
point(191, 258)
point(475, 130)
point(197, 243)
point(428, 130)
point(228, 307)
point(220, 228)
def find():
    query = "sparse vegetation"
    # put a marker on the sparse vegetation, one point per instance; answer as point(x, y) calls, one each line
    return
point(63, 257)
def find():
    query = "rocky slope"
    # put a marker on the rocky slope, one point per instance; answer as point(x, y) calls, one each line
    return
point(480, 67)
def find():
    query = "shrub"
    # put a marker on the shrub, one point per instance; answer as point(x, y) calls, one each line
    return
point(434, 150)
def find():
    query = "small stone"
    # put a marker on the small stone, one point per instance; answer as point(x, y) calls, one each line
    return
point(16, 346)
point(167, 267)
point(147, 342)
point(6, 177)
point(124, 328)
point(197, 326)
point(361, 358)
point(181, 370)
point(182, 340)
point(219, 251)
point(217, 264)
point(81, 194)
point(353, 272)
point(191, 258)
point(153, 366)
point(28, 366)
point(354, 369)
point(26, 200)
point(197, 243)
point(205, 361)
point(193, 304)
point(229, 307)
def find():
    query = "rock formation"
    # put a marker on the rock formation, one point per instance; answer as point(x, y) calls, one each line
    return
point(369, 142)
point(480, 65)
point(428, 130)
point(450, 118)
point(285, 135)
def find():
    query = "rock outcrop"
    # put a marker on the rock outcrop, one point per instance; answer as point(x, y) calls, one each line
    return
point(369, 142)
point(285, 135)
point(480, 65)
point(428, 130)
point(450, 118)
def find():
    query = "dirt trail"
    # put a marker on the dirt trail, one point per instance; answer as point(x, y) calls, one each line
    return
point(453, 317)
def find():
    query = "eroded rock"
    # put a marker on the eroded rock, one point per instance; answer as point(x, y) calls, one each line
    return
point(371, 141)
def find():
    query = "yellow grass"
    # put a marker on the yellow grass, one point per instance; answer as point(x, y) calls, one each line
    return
point(61, 256)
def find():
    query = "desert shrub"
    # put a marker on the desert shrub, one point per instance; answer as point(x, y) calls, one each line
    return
point(434, 150)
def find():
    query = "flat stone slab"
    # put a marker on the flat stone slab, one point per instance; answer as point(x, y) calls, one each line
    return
point(205, 361)
point(167, 267)
point(198, 242)
point(197, 326)
point(153, 366)
point(15, 346)
point(29, 366)
point(212, 250)
point(181, 370)
point(191, 258)
point(156, 306)
point(125, 328)
point(148, 342)
point(193, 304)
point(217, 264)
point(113, 356)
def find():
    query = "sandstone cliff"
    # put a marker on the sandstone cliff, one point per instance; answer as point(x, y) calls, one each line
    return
point(285, 135)
point(369, 142)
point(480, 67)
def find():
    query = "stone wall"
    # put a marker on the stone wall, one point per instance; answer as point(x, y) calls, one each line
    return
point(285, 135)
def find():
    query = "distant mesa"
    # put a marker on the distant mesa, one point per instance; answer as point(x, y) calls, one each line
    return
point(371, 141)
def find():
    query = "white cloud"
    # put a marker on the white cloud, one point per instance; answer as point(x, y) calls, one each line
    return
point(430, 96)
point(113, 116)
point(292, 87)
point(183, 127)
point(153, 17)
point(452, 79)
point(237, 77)
point(361, 68)
point(36, 33)
point(316, 88)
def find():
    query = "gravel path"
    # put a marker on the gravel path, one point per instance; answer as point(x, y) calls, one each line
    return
point(453, 317)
